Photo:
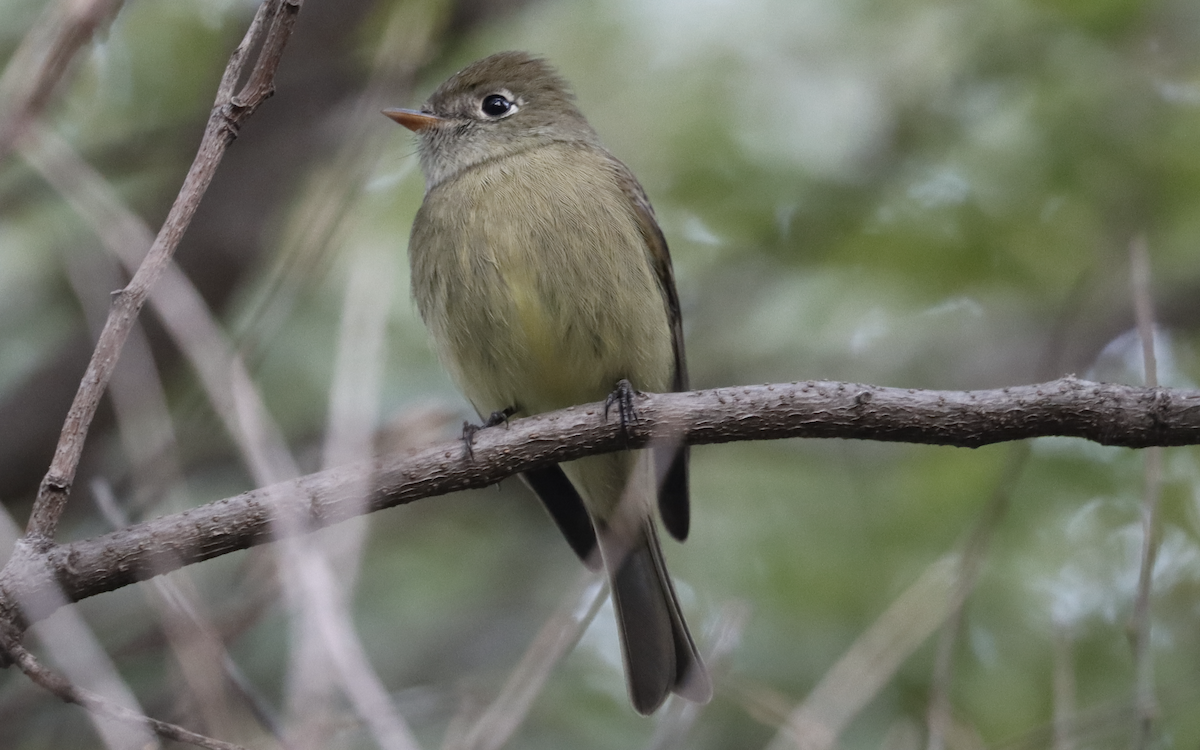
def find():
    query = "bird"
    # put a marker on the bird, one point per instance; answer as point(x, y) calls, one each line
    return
point(541, 272)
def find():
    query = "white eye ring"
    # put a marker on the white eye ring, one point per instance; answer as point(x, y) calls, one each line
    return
point(498, 105)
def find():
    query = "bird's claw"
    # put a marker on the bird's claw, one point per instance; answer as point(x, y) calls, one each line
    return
point(495, 418)
point(622, 398)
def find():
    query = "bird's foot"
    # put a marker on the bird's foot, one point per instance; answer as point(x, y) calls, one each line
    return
point(622, 398)
point(495, 418)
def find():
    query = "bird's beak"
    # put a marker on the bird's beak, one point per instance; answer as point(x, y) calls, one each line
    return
point(412, 119)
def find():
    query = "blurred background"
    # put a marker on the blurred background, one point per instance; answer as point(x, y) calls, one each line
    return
point(919, 193)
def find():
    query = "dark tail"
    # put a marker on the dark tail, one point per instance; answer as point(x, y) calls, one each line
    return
point(660, 655)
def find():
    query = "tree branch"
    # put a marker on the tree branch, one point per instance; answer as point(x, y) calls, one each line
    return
point(38, 66)
point(268, 33)
point(1104, 413)
point(61, 687)
point(275, 18)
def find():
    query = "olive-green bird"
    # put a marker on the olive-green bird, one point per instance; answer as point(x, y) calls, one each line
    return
point(544, 279)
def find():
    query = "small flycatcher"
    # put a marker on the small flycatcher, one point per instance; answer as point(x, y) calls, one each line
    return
point(544, 279)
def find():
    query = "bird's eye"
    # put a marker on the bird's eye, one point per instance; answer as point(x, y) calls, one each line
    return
point(495, 105)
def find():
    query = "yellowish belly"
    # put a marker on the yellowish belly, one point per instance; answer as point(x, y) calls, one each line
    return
point(546, 308)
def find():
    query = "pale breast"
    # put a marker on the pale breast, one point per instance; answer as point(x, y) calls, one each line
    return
point(533, 278)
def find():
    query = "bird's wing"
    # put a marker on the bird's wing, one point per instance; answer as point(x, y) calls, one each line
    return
point(566, 508)
point(673, 502)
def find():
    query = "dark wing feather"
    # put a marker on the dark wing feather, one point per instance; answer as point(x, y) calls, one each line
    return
point(671, 461)
point(566, 508)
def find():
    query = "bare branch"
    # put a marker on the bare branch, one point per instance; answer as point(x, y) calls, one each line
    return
point(205, 665)
point(229, 112)
point(179, 305)
point(63, 689)
point(327, 614)
point(557, 636)
point(1108, 414)
point(277, 18)
point(237, 401)
point(70, 642)
point(353, 406)
point(37, 67)
point(870, 662)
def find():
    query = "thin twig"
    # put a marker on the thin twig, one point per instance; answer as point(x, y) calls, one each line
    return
point(317, 222)
point(228, 114)
point(59, 686)
point(139, 404)
point(235, 398)
point(179, 305)
point(136, 391)
point(71, 643)
point(561, 631)
point(870, 662)
point(1139, 620)
point(197, 644)
point(326, 612)
point(39, 65)
point(188, 320)
point(230, 111)
point(119, 720)
point(349, 436)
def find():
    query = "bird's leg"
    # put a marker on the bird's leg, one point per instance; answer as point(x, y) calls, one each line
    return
point(622, 398)
point(495, 418)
